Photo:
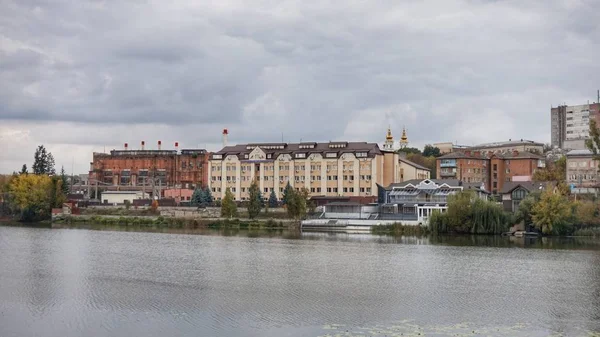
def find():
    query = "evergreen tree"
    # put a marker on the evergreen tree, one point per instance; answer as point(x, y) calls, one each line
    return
point(50, 164)
point(40, 160)
point(228, 206)
point(207, 197)
point(43, 161)
point(255, 200)
point(23, 169)
point(63, 177)
point(286, 193)
point(272, 200)
point(196, 197)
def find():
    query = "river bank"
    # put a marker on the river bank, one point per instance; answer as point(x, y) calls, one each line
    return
point(173, 222)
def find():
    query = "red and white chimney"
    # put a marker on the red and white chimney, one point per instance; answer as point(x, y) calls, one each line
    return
point(159, 144)
point(225, 133)
point(143, 145)
point(176, 146)
point(126, 145)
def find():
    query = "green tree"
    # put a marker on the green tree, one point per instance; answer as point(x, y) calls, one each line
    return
point(459, 211)
point(35, 195)
point(524, 212)
point(228, 206)
point(587, 213)
point(255, 200)
point(407, 150)
point(554, 171)
point(43, 161)
point(197, 197)
point(207, 197)
point(297, 203)
point(286, 193)
point(593, 143)
point(431, 151)
point(64, 181)
point(272, 199)
point(23, 169)
point(551, 213)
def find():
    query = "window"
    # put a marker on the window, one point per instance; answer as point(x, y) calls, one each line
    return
point(331, 155)
point(361, 154)
point(495, 184)
point(318, 190)
point(507, 170)
point(351, 189)
point(300, 155)
point(368, 190)
point(266, 189)
point(335, 190)
point(217, 156)
point(183, 165)
point(328, 189)
point(362, 190)
point(233, 189)
point(508, 162)
point(345, 177)
point(518, 194)
point(345, 189)
point(312, 190)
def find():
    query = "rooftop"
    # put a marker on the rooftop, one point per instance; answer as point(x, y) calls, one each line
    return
point(276, 149)
point(507, 143)
point(530, 186)
point(584, 152)
point(404, 160)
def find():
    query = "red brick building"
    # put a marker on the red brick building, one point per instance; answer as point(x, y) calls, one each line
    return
point(137, 169)
point(493, 170)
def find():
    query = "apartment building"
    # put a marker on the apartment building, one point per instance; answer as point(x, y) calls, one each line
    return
point(582, 172)
point(492, 169)
point(325, 169)
point(570, 125)
point(520, 145)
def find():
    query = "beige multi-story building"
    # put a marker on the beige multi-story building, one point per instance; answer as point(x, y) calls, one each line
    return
point(582, 172)
point(324, 169)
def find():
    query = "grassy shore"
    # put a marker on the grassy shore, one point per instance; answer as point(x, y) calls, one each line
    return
point(190, 223)
point(400, 229)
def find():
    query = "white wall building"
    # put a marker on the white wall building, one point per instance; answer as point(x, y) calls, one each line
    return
point(119, 197)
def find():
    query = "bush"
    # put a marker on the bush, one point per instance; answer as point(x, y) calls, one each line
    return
point(399, 229)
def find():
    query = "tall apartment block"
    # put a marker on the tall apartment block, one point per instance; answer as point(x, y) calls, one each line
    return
point(570, 125)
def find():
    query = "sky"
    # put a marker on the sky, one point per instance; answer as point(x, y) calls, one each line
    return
point(84, 76)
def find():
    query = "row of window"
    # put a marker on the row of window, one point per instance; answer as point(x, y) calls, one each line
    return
point(287, 178)
point(312, 190)
point(190, 165)
point(247, 168)
point(581, 164)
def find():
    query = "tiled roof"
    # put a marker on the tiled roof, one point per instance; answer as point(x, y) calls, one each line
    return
point(277, 149)
point(584, 152)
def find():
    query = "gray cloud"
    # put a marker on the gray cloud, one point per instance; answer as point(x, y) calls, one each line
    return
point(447, 70)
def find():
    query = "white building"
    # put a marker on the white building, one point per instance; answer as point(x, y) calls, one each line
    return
point(119, 197)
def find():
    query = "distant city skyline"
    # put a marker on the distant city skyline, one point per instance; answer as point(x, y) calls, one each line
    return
point(80, 77)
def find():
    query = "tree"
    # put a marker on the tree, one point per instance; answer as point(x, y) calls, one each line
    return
point(587, 213)
point(593, 143)
point(410, 150)
point(431, 151)
point(23, 169)
point(297, 200)
point(554, 171)
point(228, 206)
point(459, 211)
point(551, 213)
point(524, 212)
point(286, 193)
point(255, 200)
point(272, 199)
point(64, 182)
point(50, 164)
point(428, 162)
point(207, 198)
point(34, 195)
point(43, 161)
point(197, 197)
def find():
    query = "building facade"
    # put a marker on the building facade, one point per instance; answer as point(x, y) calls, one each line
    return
point(582, 172)
point(142, 169)
point(570, 125)
point(521, 145)
point(491, 169)
point(420, 198)
point(514, 192)
point(324, 169)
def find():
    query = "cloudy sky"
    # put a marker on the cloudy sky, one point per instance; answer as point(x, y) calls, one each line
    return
point(87, 75)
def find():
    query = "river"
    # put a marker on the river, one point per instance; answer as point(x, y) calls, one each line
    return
point(79, 282)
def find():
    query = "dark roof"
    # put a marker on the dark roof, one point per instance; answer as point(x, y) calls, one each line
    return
point(277, 149)
point(413, 164)
point(530, 186)
point(504, 155)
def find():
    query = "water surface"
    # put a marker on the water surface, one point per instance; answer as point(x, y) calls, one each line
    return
point(74, 282)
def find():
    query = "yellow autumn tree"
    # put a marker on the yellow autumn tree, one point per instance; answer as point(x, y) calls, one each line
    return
point(34, 195)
